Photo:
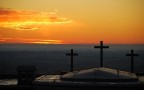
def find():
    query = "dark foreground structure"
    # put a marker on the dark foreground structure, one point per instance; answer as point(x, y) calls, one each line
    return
point(95, 78)
point(90, 79)
point(72, 87)
point(99, 78)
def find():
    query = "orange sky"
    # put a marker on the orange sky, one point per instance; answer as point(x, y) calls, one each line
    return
point(72, 21)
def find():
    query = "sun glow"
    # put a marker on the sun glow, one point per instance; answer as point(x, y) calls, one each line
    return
point(72, 21)
point(48, 42)
point(31, 25)
point(33, 41)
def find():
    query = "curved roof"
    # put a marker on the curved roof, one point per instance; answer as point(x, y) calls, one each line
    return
point(99, 75)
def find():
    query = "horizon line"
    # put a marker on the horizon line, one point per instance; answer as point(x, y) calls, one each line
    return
point(75, 43)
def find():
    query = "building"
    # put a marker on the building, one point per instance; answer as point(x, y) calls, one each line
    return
point(26, 75)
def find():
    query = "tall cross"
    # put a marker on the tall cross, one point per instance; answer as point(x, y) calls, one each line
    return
point(132, 59)
point(72, 54)
point(101, 52)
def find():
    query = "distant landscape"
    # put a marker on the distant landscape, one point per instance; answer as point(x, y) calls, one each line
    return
point(52, 58)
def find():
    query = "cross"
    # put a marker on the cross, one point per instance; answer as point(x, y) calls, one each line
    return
point(72, 54)
point(101, 52)
point(132, 59)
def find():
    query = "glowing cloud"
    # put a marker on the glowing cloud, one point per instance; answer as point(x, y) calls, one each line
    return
point(28, 20)
point(34, 41)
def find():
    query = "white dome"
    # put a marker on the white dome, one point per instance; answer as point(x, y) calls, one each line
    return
point(99, 75)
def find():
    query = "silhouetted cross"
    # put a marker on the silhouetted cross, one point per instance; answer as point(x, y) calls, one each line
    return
point(72, 54)
point(132, 59)
point(101, 52)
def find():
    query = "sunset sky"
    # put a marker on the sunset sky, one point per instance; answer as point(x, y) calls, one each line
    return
point(72, 21)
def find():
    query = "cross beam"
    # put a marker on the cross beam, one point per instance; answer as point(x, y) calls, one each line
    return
point(101, 52)
point(72, 54)
point(132, 59)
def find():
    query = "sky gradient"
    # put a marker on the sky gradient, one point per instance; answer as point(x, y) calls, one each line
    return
point(72, 21)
